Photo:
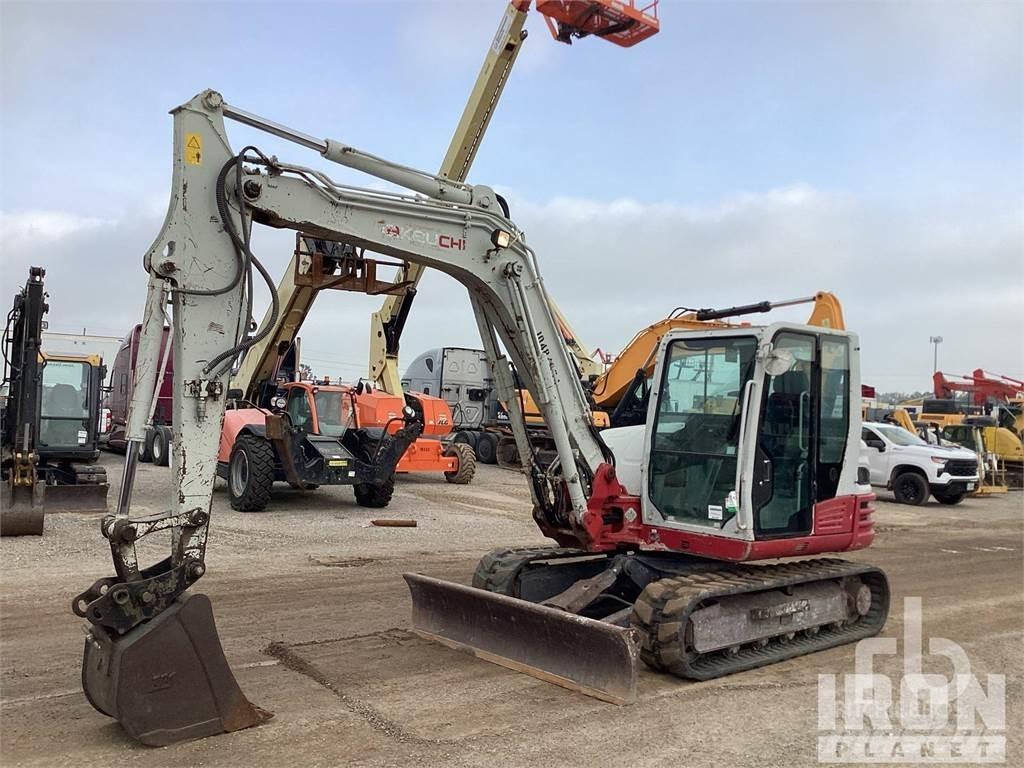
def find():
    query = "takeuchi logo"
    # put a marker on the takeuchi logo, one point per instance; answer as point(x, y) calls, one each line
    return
point(917, 716)
point(424, 237)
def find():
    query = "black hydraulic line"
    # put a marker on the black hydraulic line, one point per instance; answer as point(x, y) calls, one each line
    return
point(245, 257)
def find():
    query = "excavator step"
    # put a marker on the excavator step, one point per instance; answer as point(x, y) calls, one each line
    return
point(167, 680)
point(581, 654)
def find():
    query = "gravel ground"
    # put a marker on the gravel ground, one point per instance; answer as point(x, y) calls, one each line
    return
point(349, 684)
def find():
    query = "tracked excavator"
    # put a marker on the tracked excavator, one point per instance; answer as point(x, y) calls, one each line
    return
point(749, 453)
point(49, 422)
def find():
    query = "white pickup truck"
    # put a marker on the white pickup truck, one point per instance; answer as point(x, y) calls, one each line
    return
point(912, 469)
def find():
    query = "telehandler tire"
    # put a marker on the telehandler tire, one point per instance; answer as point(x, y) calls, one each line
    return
point(250, 473)
point(910, 488)
point(463, 475)
point(375, 496)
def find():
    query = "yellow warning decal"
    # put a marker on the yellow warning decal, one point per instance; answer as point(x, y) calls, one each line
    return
point(193, 149)
point(338, 463)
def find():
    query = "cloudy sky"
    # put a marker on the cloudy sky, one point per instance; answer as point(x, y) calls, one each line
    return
point(751, 150)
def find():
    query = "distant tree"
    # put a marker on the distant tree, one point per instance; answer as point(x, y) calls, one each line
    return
point(899, 397)
point(305, 372)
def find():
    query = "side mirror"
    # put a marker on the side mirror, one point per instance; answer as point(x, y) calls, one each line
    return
point(234, 394)
point(878, 445)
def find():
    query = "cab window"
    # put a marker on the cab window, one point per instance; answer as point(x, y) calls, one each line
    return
point(298, 409)
point(697, 425)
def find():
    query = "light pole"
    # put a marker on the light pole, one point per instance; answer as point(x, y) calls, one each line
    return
point(936, 340)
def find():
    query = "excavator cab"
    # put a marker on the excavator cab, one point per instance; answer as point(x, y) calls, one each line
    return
point(751, 423)
point(748, 452)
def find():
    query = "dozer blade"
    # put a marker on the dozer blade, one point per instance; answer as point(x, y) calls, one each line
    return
point(167, 680)
point(22, 511)
point(566, 649)
point(76, 498)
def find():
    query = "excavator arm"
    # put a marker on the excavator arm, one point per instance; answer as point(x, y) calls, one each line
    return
point(199, 264)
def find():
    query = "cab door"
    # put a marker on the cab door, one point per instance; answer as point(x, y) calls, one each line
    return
point(696, 411)
point(300, 413)
point(879, 457)
point(785, 463)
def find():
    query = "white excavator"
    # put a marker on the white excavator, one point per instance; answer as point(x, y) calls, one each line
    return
point(748, 453)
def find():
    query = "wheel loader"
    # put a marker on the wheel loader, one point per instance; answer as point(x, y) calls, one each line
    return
point(50, 430)
point(748, 453)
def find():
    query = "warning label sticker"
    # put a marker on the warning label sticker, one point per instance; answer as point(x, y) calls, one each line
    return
point(193, 149)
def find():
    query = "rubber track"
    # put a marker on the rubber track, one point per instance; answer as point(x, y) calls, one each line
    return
point(663, 610)
point(499, 569)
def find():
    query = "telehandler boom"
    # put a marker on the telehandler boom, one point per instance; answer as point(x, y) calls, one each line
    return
point(749, 453)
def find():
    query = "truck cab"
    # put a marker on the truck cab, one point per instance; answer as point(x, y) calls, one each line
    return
point(914, 470)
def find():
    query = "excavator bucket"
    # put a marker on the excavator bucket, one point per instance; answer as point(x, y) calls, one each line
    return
point(22, 510)
point(76, 498)
point(581, 654)
point(167, 680)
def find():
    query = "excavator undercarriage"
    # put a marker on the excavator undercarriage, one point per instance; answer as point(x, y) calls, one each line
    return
point(592, 617)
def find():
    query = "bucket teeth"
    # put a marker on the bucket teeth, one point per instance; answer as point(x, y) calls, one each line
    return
point(581, 654)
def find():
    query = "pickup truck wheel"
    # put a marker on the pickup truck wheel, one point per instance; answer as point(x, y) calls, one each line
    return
point(949, 496)
point(376, 496)
point(466, 468)
point(160, 446)
point(250, 473)
point(910, 488)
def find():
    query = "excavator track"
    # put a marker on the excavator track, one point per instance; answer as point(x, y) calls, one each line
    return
point(498, 570)
point(664, 612)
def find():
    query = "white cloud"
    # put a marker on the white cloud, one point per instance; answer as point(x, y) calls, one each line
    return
point(44, 226)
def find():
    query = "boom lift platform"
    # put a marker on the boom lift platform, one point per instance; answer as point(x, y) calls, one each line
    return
point(749, 452)
point(618, 21)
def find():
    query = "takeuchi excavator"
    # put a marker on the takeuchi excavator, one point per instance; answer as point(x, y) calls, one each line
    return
point(748, 453)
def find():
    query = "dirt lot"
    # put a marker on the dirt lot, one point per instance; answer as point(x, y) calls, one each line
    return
point(311, 573)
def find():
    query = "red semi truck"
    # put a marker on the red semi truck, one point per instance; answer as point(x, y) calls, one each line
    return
point(122, 381)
